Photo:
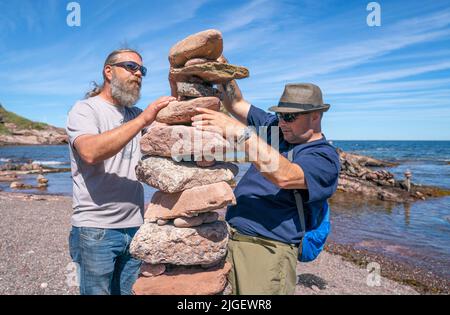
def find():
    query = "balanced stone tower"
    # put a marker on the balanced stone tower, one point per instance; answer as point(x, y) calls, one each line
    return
point(183, 243)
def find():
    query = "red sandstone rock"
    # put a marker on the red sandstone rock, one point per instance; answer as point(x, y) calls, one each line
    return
point(167, 244)
point(212, 72)
point(185, 281)
point(197, 61)
point(172, 177)
point(181, 112)
point(207, 44)
point(197, 90)
point(179, 142)
point(190, 202)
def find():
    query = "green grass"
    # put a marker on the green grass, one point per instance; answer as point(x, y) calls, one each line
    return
point(19, 121)
point(3, 130)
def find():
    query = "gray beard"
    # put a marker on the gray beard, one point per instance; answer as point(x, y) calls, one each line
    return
point(125, 93)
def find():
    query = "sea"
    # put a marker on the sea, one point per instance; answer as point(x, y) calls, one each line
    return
point(417, 233)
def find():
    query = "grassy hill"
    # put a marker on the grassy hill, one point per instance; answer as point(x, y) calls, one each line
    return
point(19, 121)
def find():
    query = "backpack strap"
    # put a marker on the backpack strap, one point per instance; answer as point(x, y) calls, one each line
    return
point(298, 200)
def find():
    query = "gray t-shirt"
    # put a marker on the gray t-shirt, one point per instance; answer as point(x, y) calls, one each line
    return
point(108, 194)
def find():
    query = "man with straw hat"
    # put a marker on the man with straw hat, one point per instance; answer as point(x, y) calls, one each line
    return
point(266, 229)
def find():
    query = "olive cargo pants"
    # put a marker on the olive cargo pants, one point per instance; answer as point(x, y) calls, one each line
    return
point(261, 266)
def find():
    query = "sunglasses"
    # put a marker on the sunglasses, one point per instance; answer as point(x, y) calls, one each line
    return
point(131, 66)
point(288, 117)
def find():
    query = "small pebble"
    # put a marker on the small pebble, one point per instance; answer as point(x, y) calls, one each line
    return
point(44, 285)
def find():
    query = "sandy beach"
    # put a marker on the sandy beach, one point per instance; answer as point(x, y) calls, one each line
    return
point(35, 259)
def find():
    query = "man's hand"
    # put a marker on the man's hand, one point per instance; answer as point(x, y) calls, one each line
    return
point(149, 114)
point(210, 120)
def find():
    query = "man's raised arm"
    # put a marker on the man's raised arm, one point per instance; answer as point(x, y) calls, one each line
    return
point(97, 148)
point(233, 100)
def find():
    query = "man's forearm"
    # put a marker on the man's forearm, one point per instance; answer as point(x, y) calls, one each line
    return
point(272, 165)
point(234, 101)
point(97, 148)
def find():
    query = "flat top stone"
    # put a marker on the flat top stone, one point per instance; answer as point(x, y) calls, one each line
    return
point(213, 72)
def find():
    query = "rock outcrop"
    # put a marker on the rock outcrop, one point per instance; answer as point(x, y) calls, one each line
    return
point(357, 178)
point(16, 130)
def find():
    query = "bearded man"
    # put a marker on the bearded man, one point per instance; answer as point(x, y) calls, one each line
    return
point(108, 201)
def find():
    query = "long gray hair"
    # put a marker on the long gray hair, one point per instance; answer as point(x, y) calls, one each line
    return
point(112, 58)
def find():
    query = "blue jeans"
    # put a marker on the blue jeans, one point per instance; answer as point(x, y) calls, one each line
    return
point(106, 266)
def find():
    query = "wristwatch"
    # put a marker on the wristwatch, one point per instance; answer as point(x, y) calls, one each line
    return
point(245, 135)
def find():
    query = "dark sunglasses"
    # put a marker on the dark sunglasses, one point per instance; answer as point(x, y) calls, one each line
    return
point(131, 66)
point(288, 117)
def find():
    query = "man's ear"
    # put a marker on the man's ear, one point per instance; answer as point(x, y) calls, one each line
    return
point(317, 115)
point(107, 72)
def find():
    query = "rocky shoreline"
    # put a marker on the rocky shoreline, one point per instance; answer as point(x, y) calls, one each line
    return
point(358, 176)
point(424, 281)
point(14, 174)
point(39, 261)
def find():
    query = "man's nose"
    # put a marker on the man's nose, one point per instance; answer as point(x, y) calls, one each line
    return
point(281, 122)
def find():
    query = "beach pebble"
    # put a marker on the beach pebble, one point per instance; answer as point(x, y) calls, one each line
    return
point(149, 270)
point(162, 222)
point(44, 285)
point(188, 222)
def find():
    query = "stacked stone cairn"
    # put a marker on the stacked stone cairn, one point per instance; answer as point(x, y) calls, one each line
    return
point(182, 243)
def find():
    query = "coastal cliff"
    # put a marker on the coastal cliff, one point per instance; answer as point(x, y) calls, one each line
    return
point(17, 130)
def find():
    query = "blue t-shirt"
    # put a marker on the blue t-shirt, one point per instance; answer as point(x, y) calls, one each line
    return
point(263, 209)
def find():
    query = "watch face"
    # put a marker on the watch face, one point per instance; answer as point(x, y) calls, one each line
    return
point(245, 135)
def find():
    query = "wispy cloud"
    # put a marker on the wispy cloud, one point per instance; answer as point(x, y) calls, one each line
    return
point(255, 10)
point(365, 73)
point(167, 15)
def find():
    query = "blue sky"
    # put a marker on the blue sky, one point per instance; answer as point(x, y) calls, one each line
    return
point(389, 82)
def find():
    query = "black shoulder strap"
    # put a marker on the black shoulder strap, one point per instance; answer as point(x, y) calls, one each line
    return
point(298, 199)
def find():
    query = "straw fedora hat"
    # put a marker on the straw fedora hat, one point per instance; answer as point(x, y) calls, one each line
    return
point(300, 98)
